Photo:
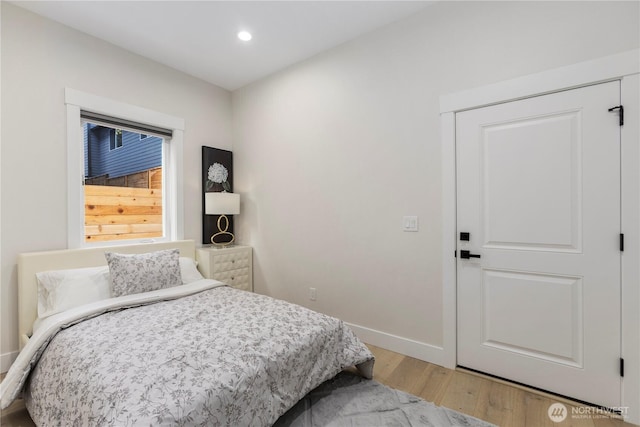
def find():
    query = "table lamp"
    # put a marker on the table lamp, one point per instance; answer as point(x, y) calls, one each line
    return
point(222, 204)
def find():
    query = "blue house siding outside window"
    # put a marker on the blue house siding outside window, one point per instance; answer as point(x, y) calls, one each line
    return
point(135, 155)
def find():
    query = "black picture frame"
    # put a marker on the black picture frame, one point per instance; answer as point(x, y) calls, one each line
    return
point(220, 163)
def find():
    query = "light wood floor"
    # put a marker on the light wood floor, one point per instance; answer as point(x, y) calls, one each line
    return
point(491, 400)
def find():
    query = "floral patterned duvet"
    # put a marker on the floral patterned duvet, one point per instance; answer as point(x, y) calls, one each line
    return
point(214, 356)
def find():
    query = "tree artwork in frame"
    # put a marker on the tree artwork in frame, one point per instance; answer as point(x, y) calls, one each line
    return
point(217, 176)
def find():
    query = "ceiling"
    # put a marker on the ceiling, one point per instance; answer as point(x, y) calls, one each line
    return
point(200, 37)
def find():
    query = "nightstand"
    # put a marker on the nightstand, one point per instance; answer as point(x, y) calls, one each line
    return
point(232, 265)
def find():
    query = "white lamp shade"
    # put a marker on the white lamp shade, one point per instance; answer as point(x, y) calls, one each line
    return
point(221, 203)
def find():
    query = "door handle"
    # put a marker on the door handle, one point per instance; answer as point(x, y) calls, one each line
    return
point(466, 255)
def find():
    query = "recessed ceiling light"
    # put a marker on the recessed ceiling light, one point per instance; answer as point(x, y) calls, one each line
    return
point(245, 36)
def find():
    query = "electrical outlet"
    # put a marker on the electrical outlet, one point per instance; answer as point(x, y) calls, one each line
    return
point(313, 294)
point(410, 223)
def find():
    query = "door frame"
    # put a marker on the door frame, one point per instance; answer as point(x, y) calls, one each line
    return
point(625, 67)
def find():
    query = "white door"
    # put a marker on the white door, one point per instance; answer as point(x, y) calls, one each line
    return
point(539, 194)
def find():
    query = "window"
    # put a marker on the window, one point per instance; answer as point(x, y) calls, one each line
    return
point(123, 188)
point(143, 136)
point(107, 150)
point(115, 139)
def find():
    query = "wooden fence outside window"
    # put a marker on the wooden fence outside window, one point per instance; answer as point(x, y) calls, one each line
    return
point(118, 213)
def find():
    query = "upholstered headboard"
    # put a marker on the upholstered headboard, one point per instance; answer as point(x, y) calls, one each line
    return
point(31, 263)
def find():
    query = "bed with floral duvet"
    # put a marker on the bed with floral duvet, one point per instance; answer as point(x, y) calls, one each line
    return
point(197, 354)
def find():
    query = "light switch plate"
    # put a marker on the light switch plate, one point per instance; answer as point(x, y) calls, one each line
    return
point(410, 223)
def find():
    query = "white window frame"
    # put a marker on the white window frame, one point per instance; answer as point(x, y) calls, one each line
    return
point(173, 213)
point(115, 139)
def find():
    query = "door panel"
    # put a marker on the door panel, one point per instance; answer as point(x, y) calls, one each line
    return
point(539, 191)
point(519, 304)
point(513, 153)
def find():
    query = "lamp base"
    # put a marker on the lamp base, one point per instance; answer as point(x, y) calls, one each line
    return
point(222, 244)
point(223, 232)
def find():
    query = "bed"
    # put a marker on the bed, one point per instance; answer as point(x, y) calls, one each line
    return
point(197, 353)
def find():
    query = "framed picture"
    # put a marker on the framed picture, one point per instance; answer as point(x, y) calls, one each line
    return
point(217, 176)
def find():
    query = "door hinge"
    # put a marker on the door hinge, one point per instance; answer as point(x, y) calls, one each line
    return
point(621, 367)
point(620, 109)
point(621, 242)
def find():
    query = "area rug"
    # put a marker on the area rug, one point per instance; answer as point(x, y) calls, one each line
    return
point(350, 400)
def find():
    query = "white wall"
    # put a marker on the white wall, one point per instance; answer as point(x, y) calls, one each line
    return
point(332, 152)
point(39, 59)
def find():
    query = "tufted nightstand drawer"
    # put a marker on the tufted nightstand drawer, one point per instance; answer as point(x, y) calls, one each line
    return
point(230, 261)
point(232, 265)
point(235, 278)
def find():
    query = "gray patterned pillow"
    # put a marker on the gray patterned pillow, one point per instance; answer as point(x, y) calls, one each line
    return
point(136, 273)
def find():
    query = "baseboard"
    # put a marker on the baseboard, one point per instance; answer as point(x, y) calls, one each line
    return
point(419, 350)
point(6, 360)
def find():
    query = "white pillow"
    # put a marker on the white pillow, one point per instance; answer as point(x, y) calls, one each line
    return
point(60, 290)
point(189, 270)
